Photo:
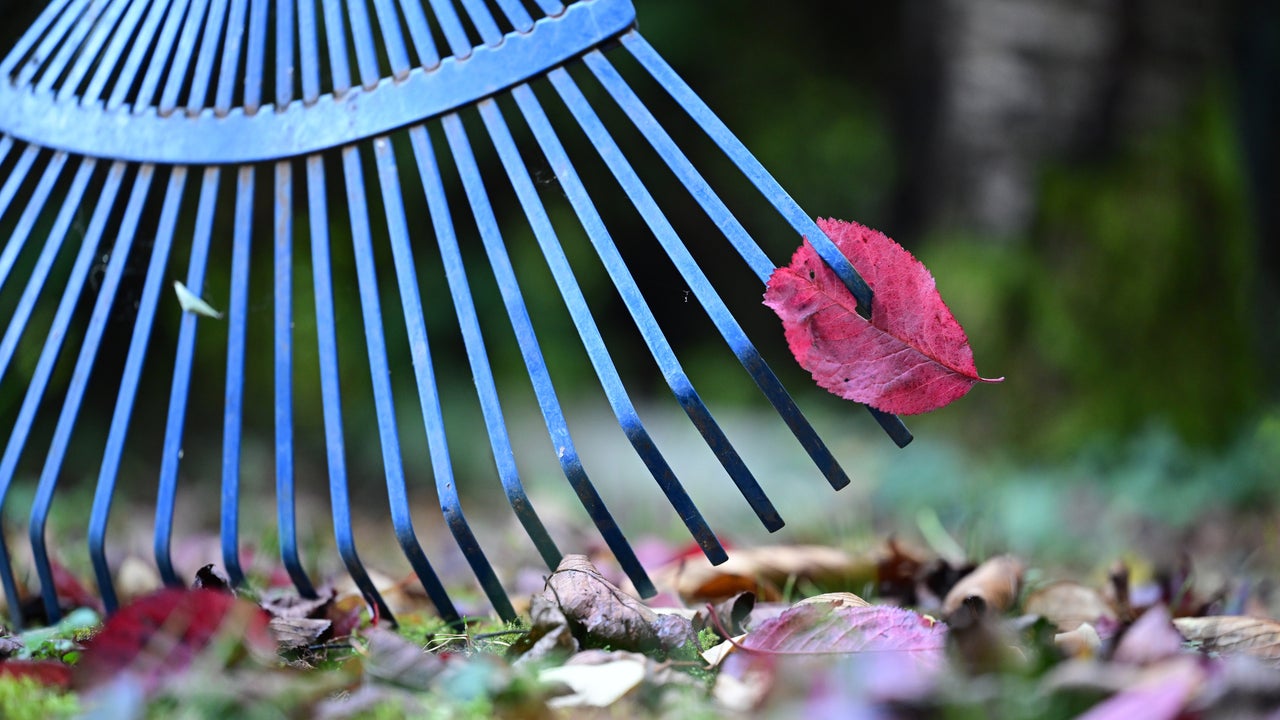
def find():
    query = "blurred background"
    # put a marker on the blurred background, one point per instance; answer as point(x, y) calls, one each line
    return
point(1092, 182)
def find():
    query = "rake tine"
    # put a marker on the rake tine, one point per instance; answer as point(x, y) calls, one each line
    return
point(336, 38)
point(7, 193)
point(742, 242)
point(233, 409)
point(392, 38)
point(87, 55)
point(40, 272)
point(451, 25)
point(285, 515)
point(539, 375)
point(648, 324)
point(208, 54)
point(416, 19)
point(362, 39)
point(330, 389)
point(499, 441)
point(77, 20)
point(36, 32)
point(517, 15)
point(379, 372)
point(79, 381)
point(472, 341)
point(171, 456)
point(483, 21)
point(308, 54)
point(164, 44)
point(587, 330)
point(550, 7)
point(122, 37)
point(22, 232)
point(255, 55)
point(21, 316)
point(129, 387)
point(182, 55)
point(232, 40)
point(768, 186)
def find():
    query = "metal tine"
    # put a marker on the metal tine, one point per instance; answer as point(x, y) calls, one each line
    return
point(6, 144)
point(34, 33)
point(628, 419)
point(26, 221)
point(214, 25)
point(123, 37)
point(233, 407)
point(182, 55)
point(551, 7)
point(285, 514)
point(171, 456)
point(392, 38)
point(308, 55)
point(420, 34)
point(335, 36)
point(7, 192)
point(741, 241)
point(455, 273)
point(552, 413)
point(164, 44)
point(76, 388)
point(40, 272)
point(451, 26)
point(88, 52)
point(129, 380)
point(53, 340)
point(488, 226)
point(233, 38)
point(255, 55)
point(415, 326)
point(658, 344)
point(56, 39)
point(768, 186)
point(516, 15)
point(362, 38)
point(331, 393)
point(483, 21)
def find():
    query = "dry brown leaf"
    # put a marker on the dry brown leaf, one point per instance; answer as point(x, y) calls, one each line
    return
point(1234, 634)
point(295, 633)
point(764, 570)
point(1081, 641)
point(836, 599)
point(995, 582)
point(1068, 605)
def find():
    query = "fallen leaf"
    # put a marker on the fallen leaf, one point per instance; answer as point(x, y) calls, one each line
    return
point(835, 599)
point(1234, 634)
point(294, 633)
point(1149, 639)
point(596, 685)
point(159, 635)
point(995, 582)
point(728, 616)
point(71, 592)
point(192, 303)
point(1068, 605)
point(578, 597)
point(1082, 641)
point(1162, 694)
point(910, 357)
point(824, 628)
point(716, 654)
point(393, 659)
point(46, 672)
point(211, 577)
point(763, 571)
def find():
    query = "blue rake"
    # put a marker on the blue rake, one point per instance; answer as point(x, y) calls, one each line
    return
point(107, 132)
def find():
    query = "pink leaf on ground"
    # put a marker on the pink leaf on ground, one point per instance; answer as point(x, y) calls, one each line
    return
point(811, 628)
point(911, 357)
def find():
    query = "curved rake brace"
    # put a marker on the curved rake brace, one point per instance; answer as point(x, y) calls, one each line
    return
point(168, 123)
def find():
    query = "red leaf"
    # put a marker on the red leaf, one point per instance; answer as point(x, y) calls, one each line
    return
point(71, 592)
point(911, 357)
point(159, 635)
point(824, 628)
point(46, 672)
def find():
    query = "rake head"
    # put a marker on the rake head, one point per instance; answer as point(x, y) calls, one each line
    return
point(135, 134)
